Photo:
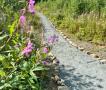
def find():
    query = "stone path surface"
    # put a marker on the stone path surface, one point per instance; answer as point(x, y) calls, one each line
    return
point(76, 68)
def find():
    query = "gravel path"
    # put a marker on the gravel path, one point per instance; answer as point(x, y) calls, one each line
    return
point(76, 68)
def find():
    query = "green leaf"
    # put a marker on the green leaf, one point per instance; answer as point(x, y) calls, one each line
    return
point(4, 86)
point(14, 41)
point(31, 80)
point(2, 37)
point(44, 55)
point(39, 68)
point(2, 57)
point(2, 73)
point(0, 32)
point(33, 75)
point(12, 27)
point(25, 64)
point(8, 51)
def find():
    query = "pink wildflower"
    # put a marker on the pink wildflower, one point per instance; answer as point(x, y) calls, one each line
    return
point(52, 39)
point(28, 49)
point(30, 45)
point(45, 62)
point(22, 20)
point(45, 50)
point(31, 2)
point(31, 6)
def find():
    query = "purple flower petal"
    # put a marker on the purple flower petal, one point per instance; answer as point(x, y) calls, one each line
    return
point(31, 6)
point(28, 49)
point(52, 39)
point(45, 62)
point(22, 20)
point(45, 50)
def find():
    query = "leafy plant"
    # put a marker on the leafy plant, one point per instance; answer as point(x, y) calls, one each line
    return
point(21, 53)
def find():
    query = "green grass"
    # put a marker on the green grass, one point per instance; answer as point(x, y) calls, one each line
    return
point(84, 19)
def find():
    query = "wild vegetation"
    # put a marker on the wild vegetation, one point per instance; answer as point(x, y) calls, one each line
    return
point(22, 56)
point(84, 19)
point(24, 61)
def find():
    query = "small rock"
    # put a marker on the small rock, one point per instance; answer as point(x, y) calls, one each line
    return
point(54, 61)
point(103, 61)
point(62, 80)
point(94, 55)
point(52, 78)
point(60, 83)
point(81, 48)
point(88, 52)
point(65, 37)
point(61, 32)
point(68, 39)
point(100, 86)
point(63, 88)
point(53, 58)
point(50, 54)
point(56, 78)
point(99, 58)
point(75, 45)
point(70, 42)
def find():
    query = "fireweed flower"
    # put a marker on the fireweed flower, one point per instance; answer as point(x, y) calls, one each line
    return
point(45, 62)
point(30, 45)
point(31, 6)
point(28, 49)
point(45, 50)
point(31, 9)
point(52, 39)
point(31, 2)
point(22, 20)
point(55, 38)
